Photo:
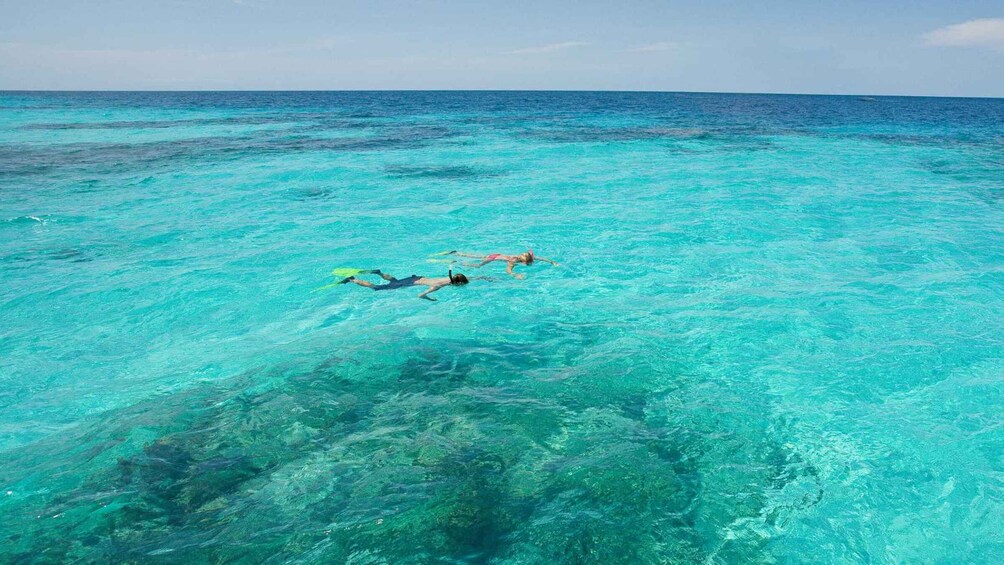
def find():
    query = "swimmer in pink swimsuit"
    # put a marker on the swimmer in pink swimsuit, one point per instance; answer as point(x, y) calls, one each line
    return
point(511, 261)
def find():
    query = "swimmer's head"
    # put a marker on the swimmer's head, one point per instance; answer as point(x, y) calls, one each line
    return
point(458, 280)
point(527, 257)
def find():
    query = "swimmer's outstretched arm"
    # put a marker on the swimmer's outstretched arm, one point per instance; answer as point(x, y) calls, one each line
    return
point(555, 263)
point(429, 291)
point(508, 269)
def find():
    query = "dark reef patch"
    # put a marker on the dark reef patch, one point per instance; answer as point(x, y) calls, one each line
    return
point(307, 194)
point(57, 255)
point(594, 134)
point(22, 160)
point(678, 140)
point(455, 453)
point(238, 120)
point(444, 172)
point(981, 173)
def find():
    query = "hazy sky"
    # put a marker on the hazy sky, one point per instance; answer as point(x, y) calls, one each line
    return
point(850, 46)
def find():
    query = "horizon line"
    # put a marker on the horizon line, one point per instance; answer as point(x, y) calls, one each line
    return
point(476, 90)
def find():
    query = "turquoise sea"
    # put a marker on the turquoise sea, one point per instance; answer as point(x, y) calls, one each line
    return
point(776, 333)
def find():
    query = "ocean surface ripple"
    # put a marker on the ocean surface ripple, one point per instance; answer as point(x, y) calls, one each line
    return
point(776, 333)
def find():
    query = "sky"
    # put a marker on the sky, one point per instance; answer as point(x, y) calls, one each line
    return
point(940, 48)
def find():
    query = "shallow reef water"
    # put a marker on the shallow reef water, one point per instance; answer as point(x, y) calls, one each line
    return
point(775, 333)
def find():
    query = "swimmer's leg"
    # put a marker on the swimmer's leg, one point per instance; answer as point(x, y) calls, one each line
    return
point(481, 264)
point(358, 282)
point(373, 272)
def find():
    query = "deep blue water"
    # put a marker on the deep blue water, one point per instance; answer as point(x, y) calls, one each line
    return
point(775, 333)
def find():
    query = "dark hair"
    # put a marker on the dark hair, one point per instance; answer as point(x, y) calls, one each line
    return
point(458, 279)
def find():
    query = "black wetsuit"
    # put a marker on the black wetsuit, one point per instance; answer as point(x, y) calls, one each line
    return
point(398, 283)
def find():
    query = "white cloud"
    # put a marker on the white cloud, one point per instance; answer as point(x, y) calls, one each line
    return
point(546, 48)
point(660, 46)
point(988, 32)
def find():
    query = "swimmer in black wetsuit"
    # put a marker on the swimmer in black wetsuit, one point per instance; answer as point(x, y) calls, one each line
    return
point(434, 284)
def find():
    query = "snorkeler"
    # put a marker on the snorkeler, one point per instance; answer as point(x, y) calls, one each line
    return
point(434, 284)
point(511, 261)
